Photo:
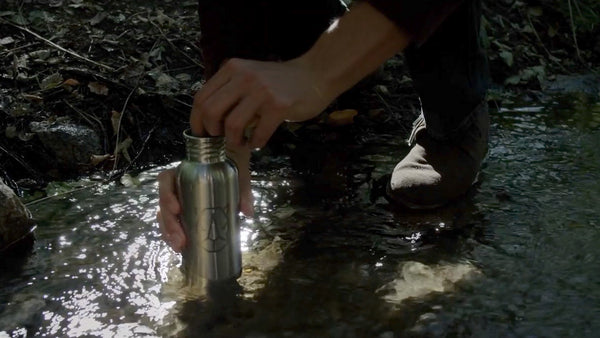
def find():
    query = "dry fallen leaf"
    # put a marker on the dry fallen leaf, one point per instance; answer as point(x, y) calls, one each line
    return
point(10, 131)
point(6, 41)
point(98, 18)
point(33, 98)
point(51, 81)
point(97, 159)
point(341, 117)
point(122, 148)
point(71, 82)
point(98, 88)
point(114, 121)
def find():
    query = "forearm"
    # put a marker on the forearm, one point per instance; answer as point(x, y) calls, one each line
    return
point(352, 48)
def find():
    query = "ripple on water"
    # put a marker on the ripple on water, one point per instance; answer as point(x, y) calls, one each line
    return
point(320, 259)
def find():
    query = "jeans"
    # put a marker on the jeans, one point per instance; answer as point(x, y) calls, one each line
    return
point(449, 70)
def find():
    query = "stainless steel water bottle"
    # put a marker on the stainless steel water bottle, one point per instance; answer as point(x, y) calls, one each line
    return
point(207, 187)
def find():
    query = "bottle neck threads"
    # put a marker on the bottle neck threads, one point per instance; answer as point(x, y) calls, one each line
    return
point(209, 149)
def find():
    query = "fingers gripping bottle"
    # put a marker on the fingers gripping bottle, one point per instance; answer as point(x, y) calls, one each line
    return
point(207, 187)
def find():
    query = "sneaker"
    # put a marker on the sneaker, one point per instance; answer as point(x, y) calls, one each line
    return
point(437, 172)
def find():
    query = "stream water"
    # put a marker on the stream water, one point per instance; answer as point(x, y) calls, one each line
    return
point(520, 256)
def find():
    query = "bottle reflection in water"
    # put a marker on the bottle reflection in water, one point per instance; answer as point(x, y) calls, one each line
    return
point(207, 186)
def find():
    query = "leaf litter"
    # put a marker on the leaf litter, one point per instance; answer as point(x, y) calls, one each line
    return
point(89, 60)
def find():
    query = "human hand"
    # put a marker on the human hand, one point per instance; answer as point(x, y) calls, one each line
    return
point(169, 213)
point(244, 92)
point(170, 210)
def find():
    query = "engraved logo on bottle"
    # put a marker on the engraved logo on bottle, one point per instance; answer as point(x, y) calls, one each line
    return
point(216, 229)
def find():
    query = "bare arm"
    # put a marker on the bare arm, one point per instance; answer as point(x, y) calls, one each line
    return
point(243, 91)
point(353, 47)
point(267, 93)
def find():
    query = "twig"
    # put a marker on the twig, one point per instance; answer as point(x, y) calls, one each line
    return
point(143, 147)
point(119, 130)
point(578, 9)
point(387, 105)
point(193, 46)
point(21, 162)
point(10, 182)
point(574, 32)
point(32, 227)
point(52, 44)
point(85, 116)
point(90, 116)
point(550, 56)
point(60, 194)
point(11, 51)
point(175, 47)
point(94, 75)
point(182, 103)
point(178, 69)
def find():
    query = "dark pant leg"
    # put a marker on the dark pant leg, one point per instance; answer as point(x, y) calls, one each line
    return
point(261, 29)
point(450, 72)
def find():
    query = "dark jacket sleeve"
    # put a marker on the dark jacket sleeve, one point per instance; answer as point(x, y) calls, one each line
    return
point(419, 18)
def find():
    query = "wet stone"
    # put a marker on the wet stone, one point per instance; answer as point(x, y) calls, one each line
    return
point(71, 144)
point(15, 218)
point(586, 83)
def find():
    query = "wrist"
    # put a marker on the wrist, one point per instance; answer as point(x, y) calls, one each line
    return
point(352, 48)
point(323, 84)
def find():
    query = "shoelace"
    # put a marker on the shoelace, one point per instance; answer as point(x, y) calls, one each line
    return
point(418, 124)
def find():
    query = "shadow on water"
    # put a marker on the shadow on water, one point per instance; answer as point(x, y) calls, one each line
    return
point(342, 253)
point(14, 259)
point(325, 255)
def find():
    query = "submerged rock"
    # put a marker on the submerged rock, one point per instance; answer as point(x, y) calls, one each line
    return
point(72, 145)
point(15, 219)
point(417, 280)
point(588, 84)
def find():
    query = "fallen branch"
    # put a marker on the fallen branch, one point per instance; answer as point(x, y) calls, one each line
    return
point(54, 45)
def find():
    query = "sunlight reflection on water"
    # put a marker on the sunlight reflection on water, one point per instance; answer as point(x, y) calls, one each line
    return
point(325, 261)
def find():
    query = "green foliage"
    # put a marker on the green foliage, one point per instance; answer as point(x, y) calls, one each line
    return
point(586, 13)
point(529, 41)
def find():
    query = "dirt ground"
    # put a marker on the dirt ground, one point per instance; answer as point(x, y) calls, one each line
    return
point(128, 70)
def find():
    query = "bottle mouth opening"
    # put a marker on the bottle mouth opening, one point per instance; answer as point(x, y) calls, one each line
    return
point(187, 134)
point(204, 149)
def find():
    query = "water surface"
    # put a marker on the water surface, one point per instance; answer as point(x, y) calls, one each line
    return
point(520, 256)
